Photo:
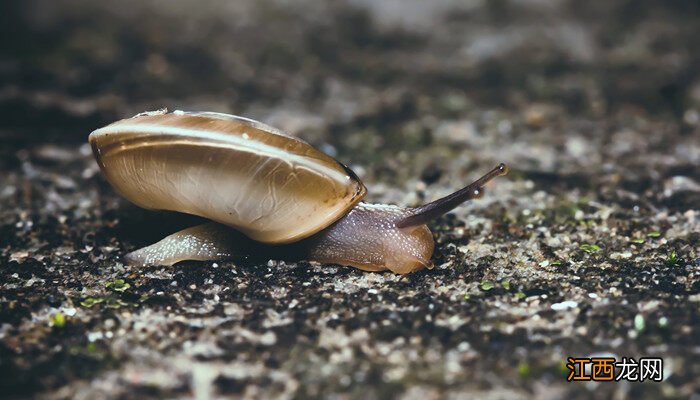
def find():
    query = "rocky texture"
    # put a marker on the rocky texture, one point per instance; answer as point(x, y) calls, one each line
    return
point(590, 246)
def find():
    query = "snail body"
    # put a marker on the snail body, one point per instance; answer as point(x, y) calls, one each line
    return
point(266, 192)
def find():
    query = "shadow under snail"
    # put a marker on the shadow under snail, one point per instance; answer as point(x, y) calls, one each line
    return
point(268, 194)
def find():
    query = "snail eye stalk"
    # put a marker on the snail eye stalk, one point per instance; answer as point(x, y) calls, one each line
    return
point(428, 212)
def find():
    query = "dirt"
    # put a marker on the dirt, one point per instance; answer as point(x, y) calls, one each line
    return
point(589, 247)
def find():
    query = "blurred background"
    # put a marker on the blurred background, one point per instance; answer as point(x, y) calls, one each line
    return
point(397, 69)
point(594, 105)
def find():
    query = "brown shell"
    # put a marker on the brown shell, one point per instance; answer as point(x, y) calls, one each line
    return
point(272, 187)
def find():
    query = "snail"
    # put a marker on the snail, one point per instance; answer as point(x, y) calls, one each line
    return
point(268, 194)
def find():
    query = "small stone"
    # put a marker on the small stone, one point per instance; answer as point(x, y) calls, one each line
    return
point(69, 311)
point(564, 305)
point(19, 256)
point(639, 323)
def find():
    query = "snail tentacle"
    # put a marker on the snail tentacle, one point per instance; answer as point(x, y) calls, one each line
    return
point(428, 212)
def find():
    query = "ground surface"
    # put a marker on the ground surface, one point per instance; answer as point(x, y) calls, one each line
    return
point(589, 247)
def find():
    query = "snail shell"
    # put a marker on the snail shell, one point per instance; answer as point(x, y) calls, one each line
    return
point(272, 187)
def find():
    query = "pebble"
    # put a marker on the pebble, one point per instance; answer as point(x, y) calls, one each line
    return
point(564, 305)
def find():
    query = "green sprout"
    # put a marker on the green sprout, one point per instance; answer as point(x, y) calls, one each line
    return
point(487, 285)
point(562, 368)
point(58, 320)
point(118, 285)
point(109, 302)
point(524, 370)
point(672, 258)
point(91, 301)
point(115, 303)
point(589, 248)
point(654, 234)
